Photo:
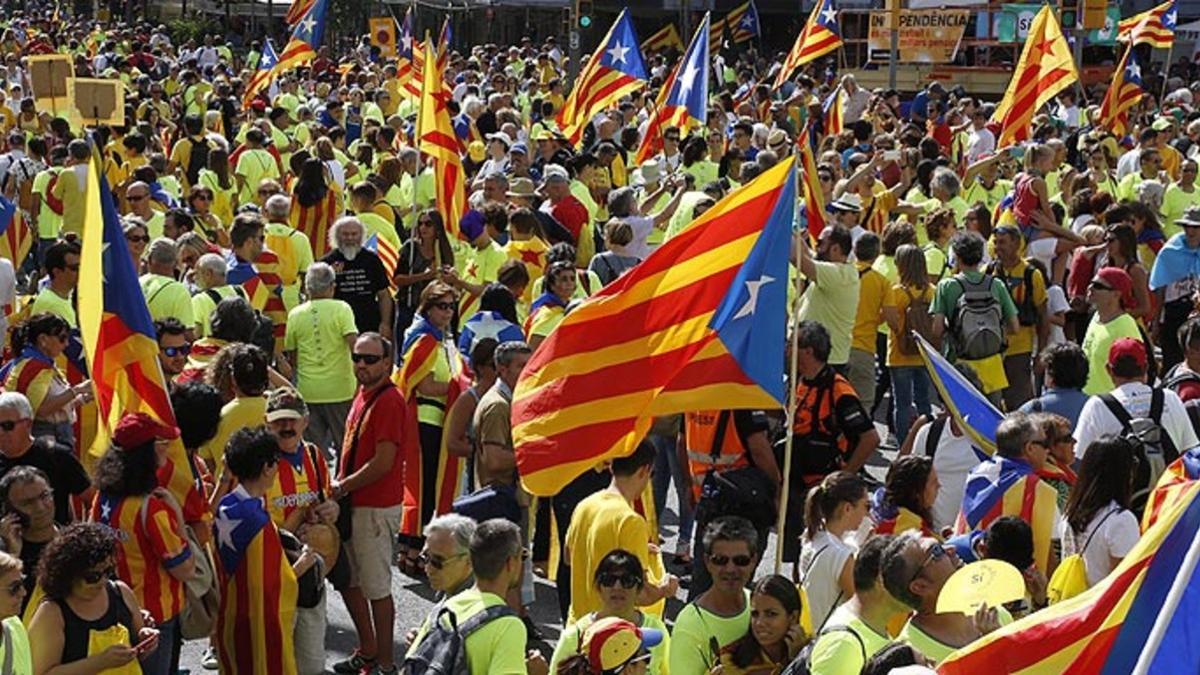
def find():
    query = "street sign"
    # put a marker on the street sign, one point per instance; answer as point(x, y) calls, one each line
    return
point(574, 42)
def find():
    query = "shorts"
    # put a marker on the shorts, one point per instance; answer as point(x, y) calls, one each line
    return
point(371, 551)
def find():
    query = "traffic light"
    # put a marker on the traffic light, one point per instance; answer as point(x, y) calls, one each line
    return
point(583, 13)
point(1095, 14)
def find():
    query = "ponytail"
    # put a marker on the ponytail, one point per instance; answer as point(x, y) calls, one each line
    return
point(839, 487)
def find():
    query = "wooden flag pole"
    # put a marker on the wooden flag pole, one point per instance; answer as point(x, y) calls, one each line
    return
point(1166, 74)
point(788, 443)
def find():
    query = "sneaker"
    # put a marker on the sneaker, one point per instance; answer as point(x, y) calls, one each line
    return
point(209, 659)
point(357, 663)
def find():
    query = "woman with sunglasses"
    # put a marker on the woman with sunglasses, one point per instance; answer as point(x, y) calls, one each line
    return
point(38, 345)
point(1057, 471)
point(417, 264)
point(199, 204)
point(548, 309)
point(775, 635)
point(153, 556)
point(1098, 523)
point(218, 180)
point(619, 579)
point(430, 339)
point(136, 238)
point(14, 642)
point(88, 620)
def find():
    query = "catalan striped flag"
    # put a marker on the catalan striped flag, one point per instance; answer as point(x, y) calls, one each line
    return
point(301, 49)
point(407, 73)
point(716, 36)
point(831, 110)
point(548, 308)
point(442, 49)
point(267, 285)
point(1141, 618)
point(1123, 93)
point(615, 69)
point(683, 101)
point(1009, 487)
point(1154, 27)
point(263, 76)
point(418, 356)
point(666, 38)
point(30, 372)
point(151, 543)
point(819, 36)
point(314, 221)
point(258, 590)
point(297, 10)
point(1045, 68)
point(436, 138)
point(16, 238)
point(971, 410)
point(699, 324)
point(1175, 481)
point(743, 22)
point(892, 519)
point(388, 255)
point(814, 198)
point(118, 336)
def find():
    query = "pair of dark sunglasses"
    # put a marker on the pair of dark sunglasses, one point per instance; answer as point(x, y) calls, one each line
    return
point(369, 359)
point(96, 576)
point(182, 350)
point(738, 560)
point(626, 581)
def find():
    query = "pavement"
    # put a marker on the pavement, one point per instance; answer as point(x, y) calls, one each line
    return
point(414, 598)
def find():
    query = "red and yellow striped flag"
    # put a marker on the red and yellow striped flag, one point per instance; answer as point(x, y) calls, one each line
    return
point(616, 69)
point(1045, 68)
point(436, 138)
point(1154, 27)
point(1123, 93)
point(814, 198)
point(301, 49)
point(699, 324)
point(666, 38)
point(819, 37)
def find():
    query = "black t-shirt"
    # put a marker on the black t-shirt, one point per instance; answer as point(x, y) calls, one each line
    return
point(66, 474)
point(31, 553)
point(358, 283)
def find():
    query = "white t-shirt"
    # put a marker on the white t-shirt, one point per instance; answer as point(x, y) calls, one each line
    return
point(953, 461)
point(8, 296)
point(1113, 532)
point(642, 227)
point(821, 573)
point(1056, 301)
point(981, 142)
point(1096, 420)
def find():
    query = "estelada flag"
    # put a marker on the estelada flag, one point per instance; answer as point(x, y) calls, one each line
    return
point(684, 99)
point(16, 238)
point(699, 324)
point(1141, 618)
point(1009, 487)
point(666, 38)
point(1123, 93)
point(615, 70)
point(1175, 481)
point(1046, 67)
point(820, 35)
point(1154, 27)
point(258, 591)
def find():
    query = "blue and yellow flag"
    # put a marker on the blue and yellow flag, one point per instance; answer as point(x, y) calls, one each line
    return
point(973, 412)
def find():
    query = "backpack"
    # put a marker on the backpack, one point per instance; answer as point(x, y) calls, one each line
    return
point(197, 159)
point(1153, 446)
point(1027, 314)
point(1070, 577)
point(978, 326)
point(918, 321)
point(444, 649)
point(802, 664)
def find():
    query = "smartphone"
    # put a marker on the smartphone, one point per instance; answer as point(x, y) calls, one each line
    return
point(891, 155)
point(22, 518)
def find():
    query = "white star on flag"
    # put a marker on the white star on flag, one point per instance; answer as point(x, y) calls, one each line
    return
point(688, 80)
point(752, 287)
point(487, 327)
point(105, 510)
point(308, 24)
point(748, 22)
point(225, 528)
point(618, 52)
point(828, 14)
point(1133, 71)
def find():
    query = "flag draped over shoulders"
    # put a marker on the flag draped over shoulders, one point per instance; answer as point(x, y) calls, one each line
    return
point(1009, 487)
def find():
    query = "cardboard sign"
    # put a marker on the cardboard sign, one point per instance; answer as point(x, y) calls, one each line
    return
point(48, 74)
point(97, 101)
point(925, 36)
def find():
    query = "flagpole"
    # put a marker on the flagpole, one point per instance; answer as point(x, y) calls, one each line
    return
point(1170, 605)
point(1166, 72)
point(790, 420)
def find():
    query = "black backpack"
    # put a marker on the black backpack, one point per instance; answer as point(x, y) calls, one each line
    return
point(802, 664)
point(443, 651)
point(198, 159)
point(1153, 446)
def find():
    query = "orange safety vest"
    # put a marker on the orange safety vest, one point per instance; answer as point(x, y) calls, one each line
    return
point(816, 417)
point(700, 430)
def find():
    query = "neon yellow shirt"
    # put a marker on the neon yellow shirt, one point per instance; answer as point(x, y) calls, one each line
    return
point(248, 411)
point(167, 298)
point(316, 332)
point(49, 301)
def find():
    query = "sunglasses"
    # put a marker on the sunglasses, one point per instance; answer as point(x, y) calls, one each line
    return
point(17, 587)
point(1100, 286)
point(438, 562)
point(626, 581)
point(738, 560)
point(182, 350)
point(1065, 439)
point(935, 553)
point(369, 359)
point(9, 425)
point(135, 198)
point(135, 239)
point(96, 576)
point(442, 305)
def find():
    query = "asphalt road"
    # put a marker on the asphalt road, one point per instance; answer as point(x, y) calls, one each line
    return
point(414, 598)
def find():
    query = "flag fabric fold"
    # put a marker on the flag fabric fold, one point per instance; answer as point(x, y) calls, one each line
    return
point(819, 36)
point(297, 10)
point(1178, 478)
point(615, 69)
point(699, 323)
point(436, 138)
point(971, 410)
point(1124, 93)
point(683, 100)
point(265, 74)
point(1154, 27)
point(306, 38)
point(1001, 486)
point(667, 37)
point(16, 237)
point(831, 110)
point(388, 255)
point(814, 198)
point(743, 22)
point(1045, 68)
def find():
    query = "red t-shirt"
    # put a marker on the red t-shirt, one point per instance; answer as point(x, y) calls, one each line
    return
point(389, 419)
point(571, 214)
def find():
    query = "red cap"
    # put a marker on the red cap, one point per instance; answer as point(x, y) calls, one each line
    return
point(258, 105)
point(137, 429)
point(1127, 347)
point(1120, 281)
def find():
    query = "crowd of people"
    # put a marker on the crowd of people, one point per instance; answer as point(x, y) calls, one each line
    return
point(341, 367)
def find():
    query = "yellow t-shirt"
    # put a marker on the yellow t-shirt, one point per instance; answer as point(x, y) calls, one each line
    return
point(837, 651)
point(873, 290)
point(70, 188)
point(223, 198)
point(49, 222)
point(49, 301)
point(167, 298)
point(831, 300)
point(568, 642)
point(934, 650)
point(482, 267)
point(1175, 202)
point(374, 223)
point(497, 647)
point(248, 411)
point(316, 332)
point(900, 297)
point(602, 522)
point(694, 632)
point(22, 658)
point(1021, 342)
point(203, 306)
point(254, 166)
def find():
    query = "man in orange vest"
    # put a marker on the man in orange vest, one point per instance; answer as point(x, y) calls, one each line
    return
point(719, 442)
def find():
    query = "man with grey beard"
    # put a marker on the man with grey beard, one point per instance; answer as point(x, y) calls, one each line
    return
point(362, 281)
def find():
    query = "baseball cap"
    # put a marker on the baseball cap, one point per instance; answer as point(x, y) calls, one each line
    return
point(137, 429)
point(613, 642)
point(285, 403)
point(555, 173)
point(471, 225)
point(1118, 280)
point(1127, 347)
point(518, 147)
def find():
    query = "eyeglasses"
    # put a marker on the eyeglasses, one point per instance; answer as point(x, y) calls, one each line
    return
point(181, 350)
point(17, 587)
point(9, 425)
point(369, 359)
point(935, 553)
point(738, 560)
point(442, 305)
point(425, 221)
point(1065, 439)
point(626, 581)
point(135, 198)
point(1099, 286)
point(136, 239)
point(438, 562)
point(96, 576)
